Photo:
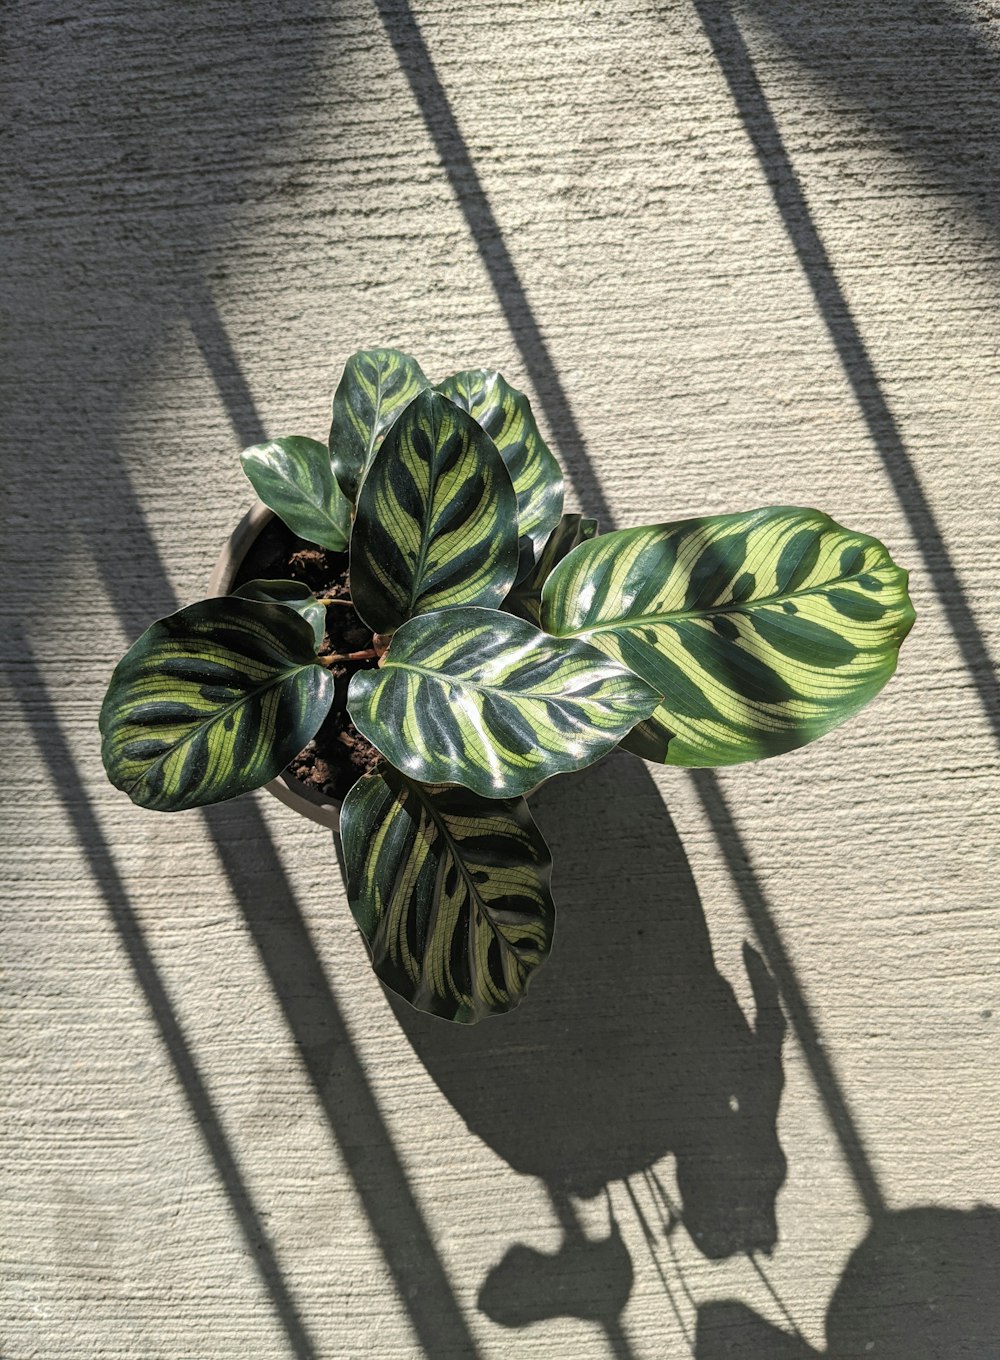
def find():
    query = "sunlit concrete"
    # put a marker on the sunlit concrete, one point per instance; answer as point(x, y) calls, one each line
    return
point(736, 257)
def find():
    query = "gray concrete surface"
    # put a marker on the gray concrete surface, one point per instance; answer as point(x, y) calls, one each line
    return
point(737, 256)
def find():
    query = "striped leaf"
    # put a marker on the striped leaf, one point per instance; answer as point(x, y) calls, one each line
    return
point(295, 478)
point(505, 414)
point(762, 630)
point(212, 701)
point(376, 385)
point(436, 523)
point(525, 600)
point(451, 893)
point(479, 698)
point(292, 594)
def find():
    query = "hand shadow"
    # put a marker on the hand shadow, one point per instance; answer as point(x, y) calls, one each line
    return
point(923, 1285)
point(630, 1046)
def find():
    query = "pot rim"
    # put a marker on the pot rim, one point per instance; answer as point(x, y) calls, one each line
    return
point(318, 807)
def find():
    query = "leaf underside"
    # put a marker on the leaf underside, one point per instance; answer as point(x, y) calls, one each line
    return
point(295, 478)
point(506, 416)
point(436, 522)
point(293, 595)
point(762, 630)
point(479, 698)
point(211, 702)
point(375, 387)
point(450, 891)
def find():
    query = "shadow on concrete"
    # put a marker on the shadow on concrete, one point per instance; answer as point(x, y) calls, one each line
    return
point(874, 61)
point(631, 1046)
point(138, 135)
point(28, 686)
point(923, 1285)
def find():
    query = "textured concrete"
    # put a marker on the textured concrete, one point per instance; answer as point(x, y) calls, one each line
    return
point(737, 256)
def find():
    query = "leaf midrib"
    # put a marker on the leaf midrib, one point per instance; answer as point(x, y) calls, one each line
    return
point(736, 607)
point(474, 684)
point(222, 713)
point(453, 850)
point(420, 564)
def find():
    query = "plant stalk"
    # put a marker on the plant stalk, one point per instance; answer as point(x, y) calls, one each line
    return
point(334, 658)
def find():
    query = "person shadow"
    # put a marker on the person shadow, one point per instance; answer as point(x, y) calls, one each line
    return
point(924, 1284)
point(630, 1047)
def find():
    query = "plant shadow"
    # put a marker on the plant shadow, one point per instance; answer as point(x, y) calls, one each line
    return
point(631, 1046)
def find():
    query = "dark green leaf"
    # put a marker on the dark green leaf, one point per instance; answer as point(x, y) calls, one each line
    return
point(212, 701)
point(436, 523)
point(377, 384)
point(480, 698)
point(505, 414)
point(762, 630)
point(292, 594)
point(294, 477)
point(525, 600)
point(450, 891)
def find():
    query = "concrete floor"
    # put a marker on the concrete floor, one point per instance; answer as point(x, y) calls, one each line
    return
point(737, 256)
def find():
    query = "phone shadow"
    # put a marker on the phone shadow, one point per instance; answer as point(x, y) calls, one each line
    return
point(924, 1284)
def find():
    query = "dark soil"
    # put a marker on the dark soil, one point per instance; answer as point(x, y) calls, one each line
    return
point(338, 755)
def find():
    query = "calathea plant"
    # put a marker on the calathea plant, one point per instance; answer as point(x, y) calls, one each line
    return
point(507, 642)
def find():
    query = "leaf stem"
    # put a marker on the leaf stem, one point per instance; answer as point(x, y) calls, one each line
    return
point(327, 600)
point(334, 658)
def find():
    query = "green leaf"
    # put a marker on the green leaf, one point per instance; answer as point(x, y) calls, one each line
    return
point(762, 630)
point(525, 600)
point(211, 702)
point(505, 414)
point(292, 594)
point(450, 891)
point(294, 477)
point(480, 698)
point(436, 523)
point(376, 385)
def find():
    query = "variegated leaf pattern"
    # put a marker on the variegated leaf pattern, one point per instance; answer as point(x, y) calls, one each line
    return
point(212, 701)
point(292, 594)
point(479, 698)
point(436, 522)
point(450, 891)
point(295, 478)
point(376, 386)
point(762, 630)
point(525, 600)
point(505, 414)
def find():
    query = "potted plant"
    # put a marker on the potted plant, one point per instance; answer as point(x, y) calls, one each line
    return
point(417, 636)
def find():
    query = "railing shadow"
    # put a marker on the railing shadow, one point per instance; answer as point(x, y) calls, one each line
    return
point(114, 229)
point(29, 688)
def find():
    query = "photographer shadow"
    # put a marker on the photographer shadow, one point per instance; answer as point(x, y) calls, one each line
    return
point(924, 1284)
point(631, 1047)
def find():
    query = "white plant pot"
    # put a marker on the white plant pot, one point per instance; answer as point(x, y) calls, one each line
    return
point(309, 802)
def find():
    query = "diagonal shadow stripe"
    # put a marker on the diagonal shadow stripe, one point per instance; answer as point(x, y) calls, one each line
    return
point(755, 905)
point(761, 128)
point(314, 1017)
point(316, 1022)
point(29, 687)
point(432, 99)
point(248, 856)
point(415, 61)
